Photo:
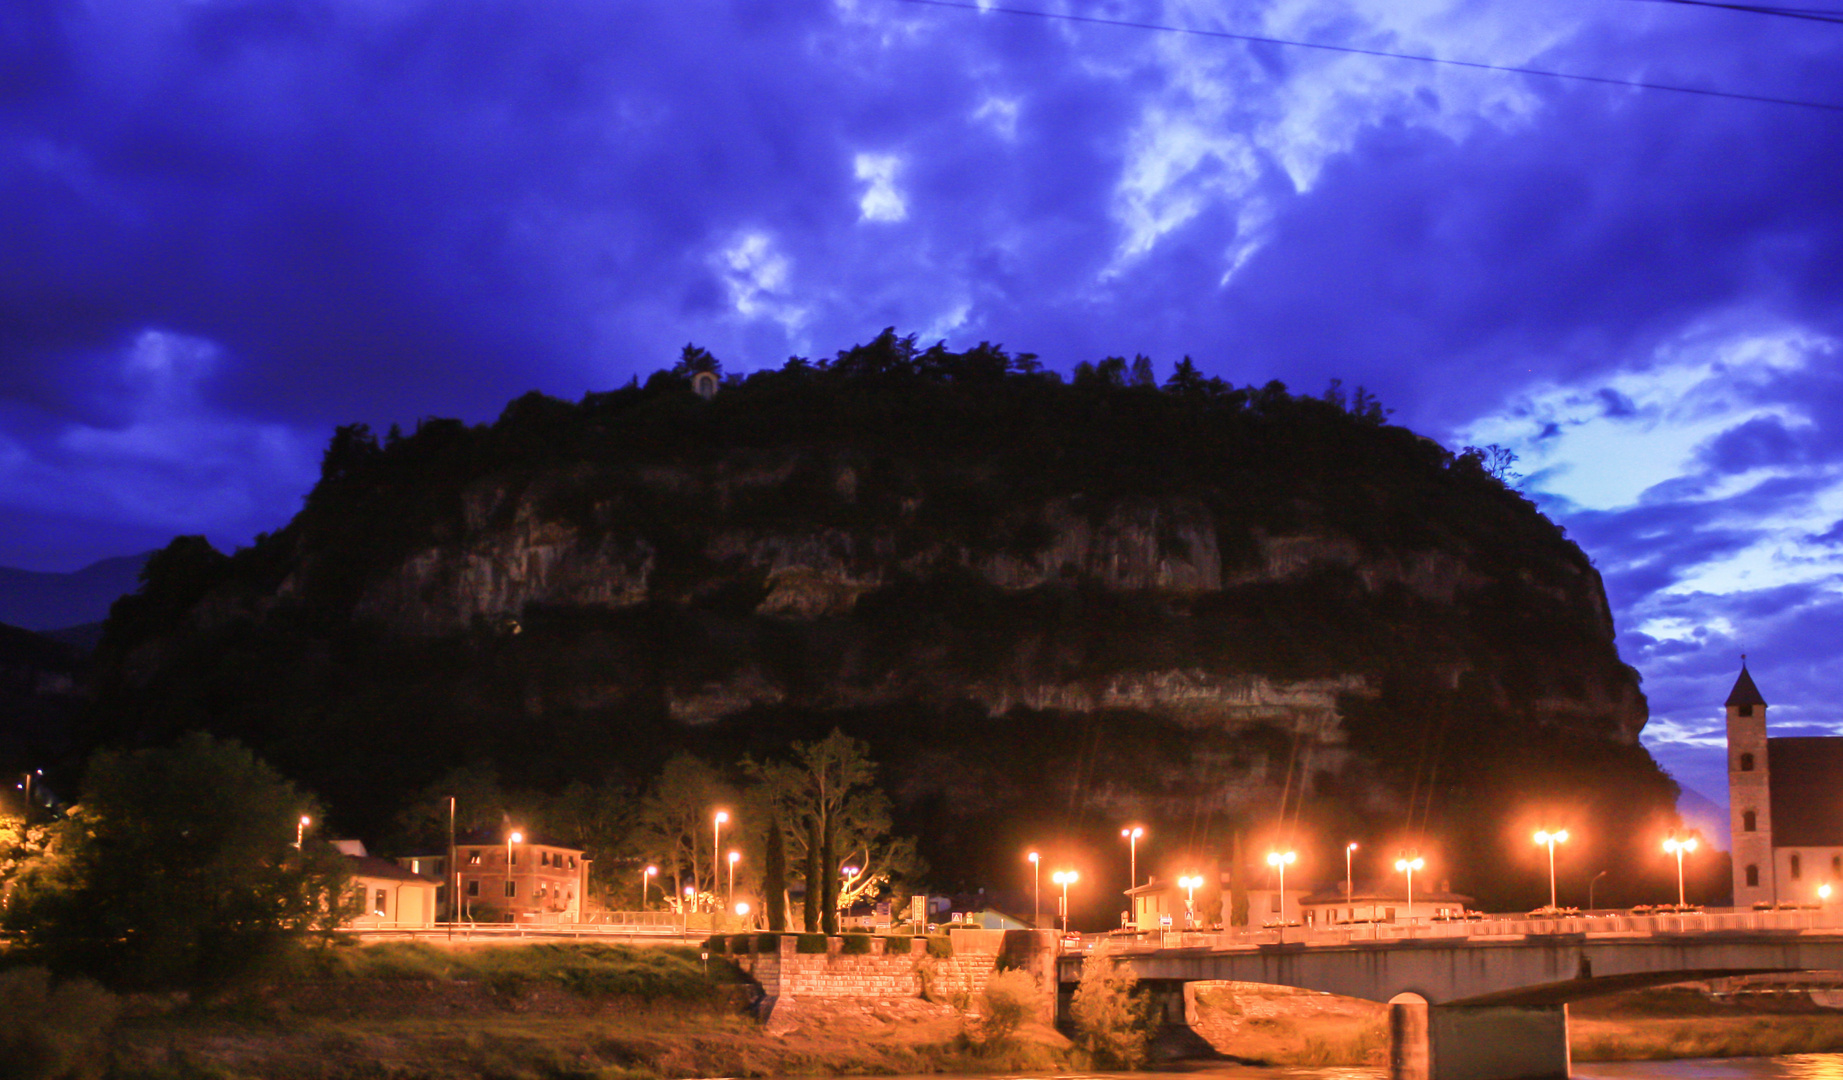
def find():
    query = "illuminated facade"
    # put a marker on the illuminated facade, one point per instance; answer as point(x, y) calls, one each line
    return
point(1785, 807)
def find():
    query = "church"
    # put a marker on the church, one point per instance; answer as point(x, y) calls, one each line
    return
point(1785, 806)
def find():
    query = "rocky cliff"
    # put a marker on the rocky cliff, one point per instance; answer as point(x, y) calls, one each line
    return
point(1049, 606)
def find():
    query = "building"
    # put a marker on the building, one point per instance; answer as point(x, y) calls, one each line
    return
point(388, 895)
point(527, 879)
point(1386, 903)
point(1785, 806)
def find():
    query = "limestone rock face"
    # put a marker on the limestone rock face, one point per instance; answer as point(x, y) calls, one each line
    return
point(1039, 603)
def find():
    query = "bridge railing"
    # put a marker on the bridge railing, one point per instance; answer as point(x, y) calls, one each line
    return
point(1498, 926)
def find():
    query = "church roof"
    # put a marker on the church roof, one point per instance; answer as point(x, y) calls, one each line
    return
point(1745, 692)
point(1806, 790)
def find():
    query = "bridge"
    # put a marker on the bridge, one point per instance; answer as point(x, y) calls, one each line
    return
point(1469, 1004)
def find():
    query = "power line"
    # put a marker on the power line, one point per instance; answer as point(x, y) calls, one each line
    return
point(1631, 84)
point(1813, 14)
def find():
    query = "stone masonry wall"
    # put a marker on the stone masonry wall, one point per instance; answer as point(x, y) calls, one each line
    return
point(881, 974)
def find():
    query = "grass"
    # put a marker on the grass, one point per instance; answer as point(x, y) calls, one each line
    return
point(1676, 1023)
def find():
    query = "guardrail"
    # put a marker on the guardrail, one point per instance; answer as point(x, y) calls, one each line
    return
point(1504, 926)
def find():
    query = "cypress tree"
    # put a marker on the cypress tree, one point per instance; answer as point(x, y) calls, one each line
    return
point(829, 875)
point(774, 878)
point(815, 880)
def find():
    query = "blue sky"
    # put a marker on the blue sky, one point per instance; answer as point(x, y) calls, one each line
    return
point(230, 224)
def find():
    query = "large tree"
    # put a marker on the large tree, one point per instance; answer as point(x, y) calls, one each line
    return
point(840, 826)
point(675, 825)
point(179, 867)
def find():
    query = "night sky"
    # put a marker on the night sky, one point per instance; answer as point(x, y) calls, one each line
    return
point(228, 225)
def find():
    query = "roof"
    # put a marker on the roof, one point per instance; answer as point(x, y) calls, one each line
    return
point(495, 837)
point(369, 866)
point(1806, 790)
point(1744, 692)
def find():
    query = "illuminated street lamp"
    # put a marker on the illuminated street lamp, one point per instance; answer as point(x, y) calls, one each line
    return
point(1065, 878)
point(1190, 883)
point(1132, 836)
point(1679, 848)
point(1282, 859)
point(1823, 893)
point(716, 841)
point(1408, 864)
point(1036, 890)
point(1350, 894)
point(1559, 836)
point(644, 874)
point(511, 838)
point(742, 909)
point(300, 829)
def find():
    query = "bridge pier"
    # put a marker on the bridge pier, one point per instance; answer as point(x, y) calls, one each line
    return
point(1489, 1042)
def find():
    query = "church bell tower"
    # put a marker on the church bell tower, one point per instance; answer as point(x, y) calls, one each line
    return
point(1749, 794)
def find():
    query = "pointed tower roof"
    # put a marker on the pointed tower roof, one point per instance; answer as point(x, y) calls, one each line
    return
point(1745, 692)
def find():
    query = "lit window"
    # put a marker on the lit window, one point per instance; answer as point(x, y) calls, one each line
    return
point(378, 904)
point(473, 858)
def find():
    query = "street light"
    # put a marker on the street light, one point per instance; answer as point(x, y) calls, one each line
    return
point(1559, 836)
point(1408, 865)
point(1823, 893)
point(511, 838)
point(1065, 878)
point(1189, 883)
point(1132, 836)
point(300, 829)
point(1679, 848)
point(1036, 891)
point(644, 874)
point(1350, 894)
point(716, 832)
point(1282, 859)
point(729, 894)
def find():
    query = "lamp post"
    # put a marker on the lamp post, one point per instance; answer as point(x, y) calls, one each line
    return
point(1350, 893)
point(729, 894)
point(1282, 859)
point(1065, 878)
point(1679, 848)
point(1132, 836)
point(300, 830)
point(716, 841)
point(1189, 883)
point(1559, 836)
point(1036, 890)
point(644, 874)
point(511, 838)
point(1408, 864)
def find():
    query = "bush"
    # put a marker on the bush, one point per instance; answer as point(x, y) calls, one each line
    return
point(768, 943)
point(1109, 1016)
point(940, 946)
point(898, 944)
point(856, 945)
point(716, 944)
point(51, 1033)
point(1010, 1000)
point(741, 944)
point(810, 943)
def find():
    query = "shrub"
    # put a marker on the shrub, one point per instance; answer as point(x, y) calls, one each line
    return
point(898, 944)
point(1010, 999)
point(741, 944)
point(50, 1033)
point(768, 943)
point(856, 945)
point(810, 943)
point(940, 946)
point(716, 944)
point(1109, 1016)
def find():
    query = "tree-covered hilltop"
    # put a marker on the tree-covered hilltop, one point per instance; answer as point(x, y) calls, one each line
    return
point(1047, 605)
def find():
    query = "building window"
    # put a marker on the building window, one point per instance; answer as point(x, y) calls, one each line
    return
point(572, 862)
point(1796, 866)
point(1748, 821)
point(511, 888)
point(1746, 710)
point(473, 858)
point(1274, 904)
point(1753, 877)
point(378, 904)
point(1836, 866)
point(1388, 914)
point(543, 858)
point(1746, 762)
point(473, 887)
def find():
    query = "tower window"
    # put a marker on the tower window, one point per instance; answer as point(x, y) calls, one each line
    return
point(1746, 762)
point(1796, 866)
point(1746, 710)
point(1753, 877)
point(1748, 821)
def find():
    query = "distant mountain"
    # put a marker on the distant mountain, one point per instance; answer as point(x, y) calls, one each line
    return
point(40, 688)
point(43, 601)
